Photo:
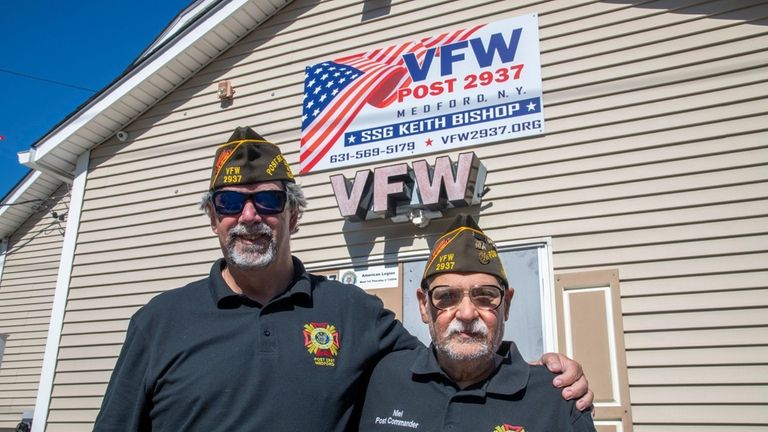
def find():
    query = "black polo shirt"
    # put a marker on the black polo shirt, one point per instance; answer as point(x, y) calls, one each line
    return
point(202, 358)
point(409, 391)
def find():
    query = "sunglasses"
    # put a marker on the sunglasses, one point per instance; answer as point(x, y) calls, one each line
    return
point(484, 297)
point(267, 202)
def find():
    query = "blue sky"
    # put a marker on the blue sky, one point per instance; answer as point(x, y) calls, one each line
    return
point(82, 43)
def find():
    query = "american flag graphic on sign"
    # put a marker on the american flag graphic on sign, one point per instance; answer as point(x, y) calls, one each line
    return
point(336, 91)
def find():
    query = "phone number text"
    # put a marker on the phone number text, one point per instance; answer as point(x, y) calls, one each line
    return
point(362, 154)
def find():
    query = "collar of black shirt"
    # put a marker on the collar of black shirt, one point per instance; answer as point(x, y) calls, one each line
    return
point(510, 377)
point(299, 290)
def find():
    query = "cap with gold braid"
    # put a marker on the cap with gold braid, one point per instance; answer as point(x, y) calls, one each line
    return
point(248, 158)
point(464, 248)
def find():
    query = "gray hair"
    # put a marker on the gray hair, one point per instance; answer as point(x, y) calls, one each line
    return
point(297, 202)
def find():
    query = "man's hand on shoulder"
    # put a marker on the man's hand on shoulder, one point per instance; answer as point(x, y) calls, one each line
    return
point(570, 377)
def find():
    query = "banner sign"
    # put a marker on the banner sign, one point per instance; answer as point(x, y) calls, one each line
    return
point(458, 89)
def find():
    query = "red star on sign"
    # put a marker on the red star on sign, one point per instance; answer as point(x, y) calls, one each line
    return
point(429, 142)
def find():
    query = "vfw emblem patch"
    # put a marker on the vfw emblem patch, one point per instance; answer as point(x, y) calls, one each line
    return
point(322, 341)
point(508, 427)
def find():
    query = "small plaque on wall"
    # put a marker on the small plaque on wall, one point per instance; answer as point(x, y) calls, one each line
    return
point(377, 277)
point(383, 281)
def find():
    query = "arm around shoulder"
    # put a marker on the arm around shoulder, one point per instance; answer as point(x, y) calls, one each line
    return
point(392, 335)
point(584, 422)
point(570, 377)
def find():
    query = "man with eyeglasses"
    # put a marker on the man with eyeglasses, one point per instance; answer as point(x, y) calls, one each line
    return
point(260, 344)
point(468, 379)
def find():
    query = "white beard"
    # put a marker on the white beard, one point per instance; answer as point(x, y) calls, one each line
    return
point(250, 256)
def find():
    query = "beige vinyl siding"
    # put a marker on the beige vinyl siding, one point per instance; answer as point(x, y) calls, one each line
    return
point(691, 262)
point(653, 163)
point(26, 294)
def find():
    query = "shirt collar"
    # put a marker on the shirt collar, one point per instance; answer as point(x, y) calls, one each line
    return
point(512, 376)
point(509, 378)
point(225, 298)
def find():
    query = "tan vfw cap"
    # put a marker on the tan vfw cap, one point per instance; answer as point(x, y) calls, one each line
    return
point(464, 248)
point(248, 158)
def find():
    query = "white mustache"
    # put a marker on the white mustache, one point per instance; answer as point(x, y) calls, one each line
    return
point(242, 229)
point(477, 327)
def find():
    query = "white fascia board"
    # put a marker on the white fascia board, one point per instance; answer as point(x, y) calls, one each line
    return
point(180, 21)
point(135, 78)
point(19, 192)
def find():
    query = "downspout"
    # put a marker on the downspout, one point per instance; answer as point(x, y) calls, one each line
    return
point(50, 358)
point(3, 251)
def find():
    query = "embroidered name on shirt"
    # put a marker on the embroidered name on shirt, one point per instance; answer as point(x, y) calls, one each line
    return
point(508, 427)
point(322, 341)
point(396, 420)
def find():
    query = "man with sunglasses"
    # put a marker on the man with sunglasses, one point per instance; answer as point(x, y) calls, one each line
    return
point(260, 344)
point(468, 379)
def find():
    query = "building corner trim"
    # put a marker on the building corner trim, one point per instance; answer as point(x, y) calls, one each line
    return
point(3, 251)
point(50, 358)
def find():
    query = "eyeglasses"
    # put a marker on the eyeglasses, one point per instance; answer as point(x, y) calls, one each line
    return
point(484, 297)
point(267, 202)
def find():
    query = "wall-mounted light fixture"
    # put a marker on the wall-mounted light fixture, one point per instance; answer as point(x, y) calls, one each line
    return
point(225, 90)
point(420, 218)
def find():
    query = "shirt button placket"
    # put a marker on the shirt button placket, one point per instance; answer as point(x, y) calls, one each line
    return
point(268, 336)
point(449, 421)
